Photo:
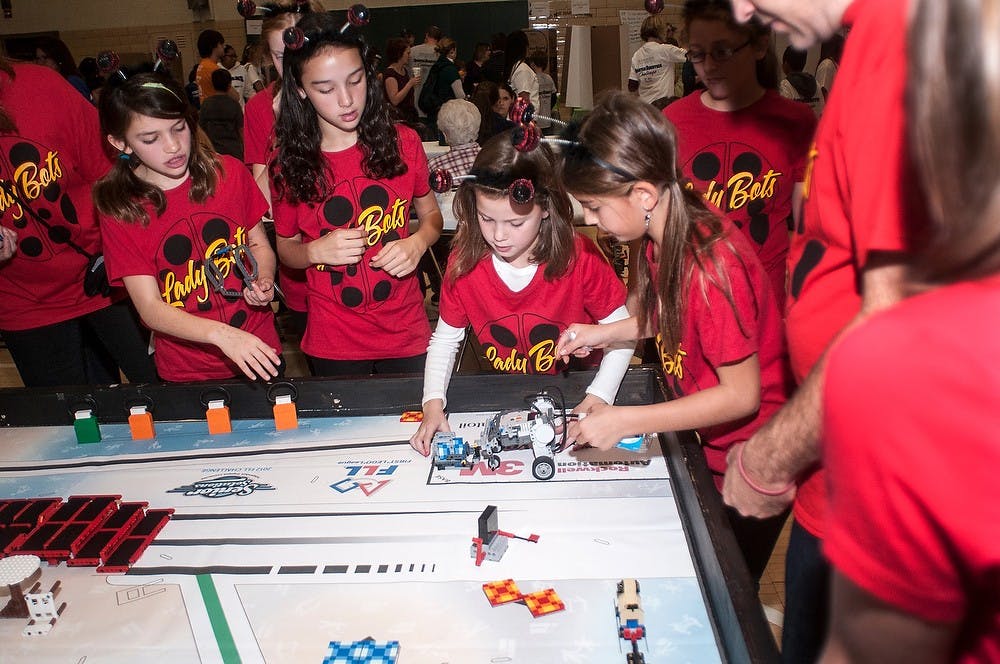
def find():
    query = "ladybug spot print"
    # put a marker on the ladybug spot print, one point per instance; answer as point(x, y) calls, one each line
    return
point(336, 276)
point(31, 247)
point(44, 213)
point(338, 211)
point(352, 270)
point(163, 275)
point(23, 221)
point(24, 153)
point(351, 297)
point(503, 336)
point(68, 210)
point(205, 306)
point(59, 234)
point(238, 319)
point(391, 236)
point(760, 225)
point(177, 249)
point(543, 332)
point(381, 291)
point(706, 166)
point(51, 192)
point(747, 162)
point(374, 195)
point(811, 256)
point(214, 229)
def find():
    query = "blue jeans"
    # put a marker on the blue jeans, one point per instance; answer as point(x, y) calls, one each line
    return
point(807, 598)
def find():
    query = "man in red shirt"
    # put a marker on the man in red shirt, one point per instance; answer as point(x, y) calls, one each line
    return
point(846, 261)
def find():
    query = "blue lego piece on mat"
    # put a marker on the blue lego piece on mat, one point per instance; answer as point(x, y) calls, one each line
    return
point(362, 652)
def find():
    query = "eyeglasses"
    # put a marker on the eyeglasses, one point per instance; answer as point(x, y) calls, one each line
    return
point(719, 53)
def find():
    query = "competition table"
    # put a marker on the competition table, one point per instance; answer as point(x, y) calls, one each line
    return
point(283, 541)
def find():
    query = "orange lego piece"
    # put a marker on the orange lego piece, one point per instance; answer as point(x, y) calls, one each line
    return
point(412, 416)
point(218, 418)
point(141, 423)
point(285, 416)
point(543, 602)
point(501, 592)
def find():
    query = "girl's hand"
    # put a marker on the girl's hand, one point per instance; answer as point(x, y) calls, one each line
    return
point(579, 340)
point(399, 257)
point(343, 246)
point(259, 293)
point(585, 407)
point(601, 428)
point(8, 243)
point(254, 357)
point(434, 420)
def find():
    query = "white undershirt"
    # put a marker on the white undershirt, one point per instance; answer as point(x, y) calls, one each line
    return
point(446, 341)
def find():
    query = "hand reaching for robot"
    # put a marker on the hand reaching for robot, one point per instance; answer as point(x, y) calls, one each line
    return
point(434, 420)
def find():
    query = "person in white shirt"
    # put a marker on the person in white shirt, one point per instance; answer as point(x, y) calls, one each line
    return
point(546, 92)
point(237, 71)
point(422, 58)
point(520, 74)
point(653, 64)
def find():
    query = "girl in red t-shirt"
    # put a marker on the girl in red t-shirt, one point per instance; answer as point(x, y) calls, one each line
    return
point(518, 274)
point(343, 182)
point(178, 222)
point(698, 287)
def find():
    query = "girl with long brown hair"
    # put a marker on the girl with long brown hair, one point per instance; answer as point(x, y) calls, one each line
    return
point(698, 287)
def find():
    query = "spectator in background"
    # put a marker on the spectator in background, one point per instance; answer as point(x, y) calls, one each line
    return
point(488, 100)
point(546, 91)
point(444, 79)
point(210, 46)
point(798, 85)
point(519, 74)
point(474, 70)
point(407, 35)
point(399, 83)
point(191, 89)
point(253, 59)
point(422, 58)
point(654, 64)
point(494, 67)
point(222, 117)
point(54, 54)
point(459, 121)
point(242, 84)
point(92, 77)
point(829, 62)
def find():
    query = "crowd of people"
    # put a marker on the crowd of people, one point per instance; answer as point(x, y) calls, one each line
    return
point(792, 275)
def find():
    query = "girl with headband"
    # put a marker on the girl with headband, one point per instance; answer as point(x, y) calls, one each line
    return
point(180, 226)
point(518, 274)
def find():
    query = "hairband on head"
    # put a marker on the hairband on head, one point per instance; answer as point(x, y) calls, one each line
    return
point(161, 86)
point(520, 190)
point(358, 16)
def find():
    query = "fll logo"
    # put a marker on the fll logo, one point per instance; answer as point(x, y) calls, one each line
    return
point(221, 486)
point(358, 478)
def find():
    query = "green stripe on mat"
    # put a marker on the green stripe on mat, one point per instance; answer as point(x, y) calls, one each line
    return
point(227, 647)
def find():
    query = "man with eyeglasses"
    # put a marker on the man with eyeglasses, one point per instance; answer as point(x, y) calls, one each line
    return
point(847, 260)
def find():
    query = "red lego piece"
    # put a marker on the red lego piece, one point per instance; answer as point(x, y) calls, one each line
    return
point(501, 592)
point(543, 602)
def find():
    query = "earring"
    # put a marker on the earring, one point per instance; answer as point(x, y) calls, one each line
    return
point(648, 215)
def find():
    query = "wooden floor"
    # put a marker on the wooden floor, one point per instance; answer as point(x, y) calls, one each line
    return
point(772, 584)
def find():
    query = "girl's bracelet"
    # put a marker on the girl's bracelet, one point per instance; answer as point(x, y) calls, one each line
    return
point(753, 485)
